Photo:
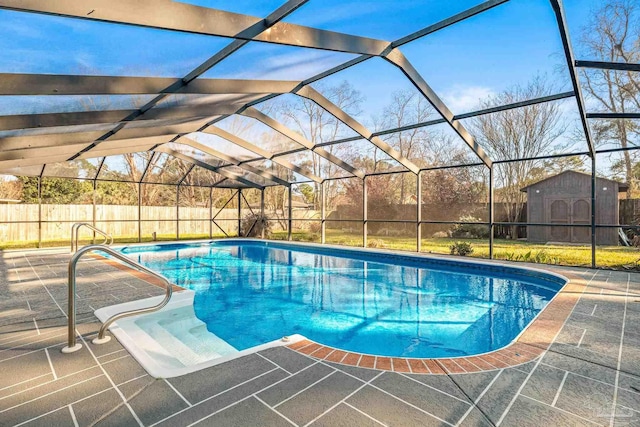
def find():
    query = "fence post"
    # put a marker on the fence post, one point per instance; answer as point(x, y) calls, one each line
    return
point(139, 212)
point(491, 211)
point(178, 212)
point(290, 223)
point(239, 212)
point(323, 212)
point(262, 214)
point(40, 210)
point(365, 212)
point(419, 212)
point(93, 213)
point(593, 210)
point(211, 212)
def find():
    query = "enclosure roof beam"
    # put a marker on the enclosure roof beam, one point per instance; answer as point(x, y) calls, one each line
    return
point(200, 20)
point(48, 84)
point(352, 62)
point(215, 153)
point(575, 81)
point(185, 176)
point(315, 96)
point(41, 152)
point(263, 153)
point(628, 116)
point(252, 30)
point(620, 66)
point(204, 165)
point(466, 14)
point(62, 139)
point(505, 107)
point(296, 137)
point(42, 157)
point(396, 58)
point(27, 121)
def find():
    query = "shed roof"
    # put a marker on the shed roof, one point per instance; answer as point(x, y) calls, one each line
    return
point(621, 185)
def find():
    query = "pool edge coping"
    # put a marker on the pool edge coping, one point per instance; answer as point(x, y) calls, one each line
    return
point(534, 340)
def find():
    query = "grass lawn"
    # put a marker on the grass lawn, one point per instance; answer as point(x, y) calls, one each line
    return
point(616, 257)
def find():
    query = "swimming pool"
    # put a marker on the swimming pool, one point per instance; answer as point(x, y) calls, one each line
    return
point(250, 292)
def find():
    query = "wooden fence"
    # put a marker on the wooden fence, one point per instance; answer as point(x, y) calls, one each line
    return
point(19, 222)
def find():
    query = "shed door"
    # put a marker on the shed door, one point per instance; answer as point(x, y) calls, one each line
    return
point(581, 214)
point(559, 214)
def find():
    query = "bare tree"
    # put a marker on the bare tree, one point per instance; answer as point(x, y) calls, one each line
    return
point(521, 133)
point(318, 125)
point(613, 35)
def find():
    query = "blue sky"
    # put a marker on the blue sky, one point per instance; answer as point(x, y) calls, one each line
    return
point(464, 63)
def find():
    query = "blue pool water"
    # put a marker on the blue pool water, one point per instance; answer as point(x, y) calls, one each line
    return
point(252, 292)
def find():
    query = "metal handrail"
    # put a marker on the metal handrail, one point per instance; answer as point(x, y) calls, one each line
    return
point(75, 231)
point(72, 345)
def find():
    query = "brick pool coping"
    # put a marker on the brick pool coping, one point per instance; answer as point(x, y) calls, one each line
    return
point(531, 343)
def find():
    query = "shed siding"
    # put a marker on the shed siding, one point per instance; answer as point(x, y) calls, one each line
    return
point(571, 187)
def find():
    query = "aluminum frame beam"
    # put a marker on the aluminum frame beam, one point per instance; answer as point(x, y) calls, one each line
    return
point(602, 65)
point(48, 84)
point(199, 20)
point(29, 121)
point(396, 58)
point(215, 153)
point(534, 101)
point(575, 81)
point(252, 30)
point(213, 130)
point(628, 116)
point(465, 14)
point(63, 139)
point(296, 137)
point(204, 165)
point(315, 96)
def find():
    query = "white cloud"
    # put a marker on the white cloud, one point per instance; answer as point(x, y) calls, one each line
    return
point(462, 99)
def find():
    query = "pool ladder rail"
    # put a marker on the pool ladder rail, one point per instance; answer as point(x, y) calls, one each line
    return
point(75, 231)
point(72, 344)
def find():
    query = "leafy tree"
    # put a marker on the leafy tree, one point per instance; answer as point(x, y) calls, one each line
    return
point(56, 190)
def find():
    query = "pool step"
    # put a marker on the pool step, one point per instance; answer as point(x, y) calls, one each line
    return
point(184, 337)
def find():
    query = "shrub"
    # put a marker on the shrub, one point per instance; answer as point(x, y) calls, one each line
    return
point(315, 226)
point(261, 224)
point(540, 257)
point(470, 231)
point(440, 235)
point(375, 243)
point(461, 248)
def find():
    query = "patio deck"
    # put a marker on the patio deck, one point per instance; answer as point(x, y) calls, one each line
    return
point(590, 375)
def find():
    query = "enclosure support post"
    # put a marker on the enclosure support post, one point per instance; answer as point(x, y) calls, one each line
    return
point(323, 212)
point(418, 212)
point(139, 212)
point(178, 212)
point(593, 211)
point(211, 212)
point(365, 212)
point(239, 212)
point(290, 213)
point(40, 210)
point(93, 213)
point(491, 211)
point(262, 213)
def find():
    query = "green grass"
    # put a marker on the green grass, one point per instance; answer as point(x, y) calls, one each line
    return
point(616, 257)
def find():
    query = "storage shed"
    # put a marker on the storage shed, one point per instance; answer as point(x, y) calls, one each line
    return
point(565, 198)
